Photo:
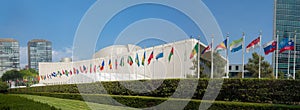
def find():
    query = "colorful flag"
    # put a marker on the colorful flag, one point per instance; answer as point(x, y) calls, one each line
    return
point(255, 43)
point(137, 61)
point(63, 72)
point(95, 69)
point(160, 55)
point(122, 61)
point(207, 49)
point(171, 54)
point(150, 58)
point(84, 69)
point(236, 45)
point(81, 70)
point(129, 60)
point(74, 70)
point(194, 51)
point(110, 64)
point(67, 73)
point(77, 71)
point(71, 72)
point(288, 46)
point(222, 46)
point(143, 58)
point(91, 66)
point(102, 66)
point(116, 64)
point(270, 47)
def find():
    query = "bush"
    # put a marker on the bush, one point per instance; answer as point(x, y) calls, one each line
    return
point(9, 102)
point(144, 102)
point(3, 87)
point(241, 90)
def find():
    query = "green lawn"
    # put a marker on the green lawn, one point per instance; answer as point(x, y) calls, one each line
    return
point(14, 102)
point(67, 104)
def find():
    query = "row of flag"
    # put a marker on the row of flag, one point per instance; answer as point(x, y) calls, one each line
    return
point(237, 45)
point(93, 69)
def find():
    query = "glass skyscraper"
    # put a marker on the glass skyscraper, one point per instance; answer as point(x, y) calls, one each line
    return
point(9, 55)
point(39, 51)
point(287, 24)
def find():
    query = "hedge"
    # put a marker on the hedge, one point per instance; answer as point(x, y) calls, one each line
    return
point(9, 102)
point(144, 102)
point(240, 90)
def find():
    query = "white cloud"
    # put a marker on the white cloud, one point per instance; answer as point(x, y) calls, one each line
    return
point(58, 54)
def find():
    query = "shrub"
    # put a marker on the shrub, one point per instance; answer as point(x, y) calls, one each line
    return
point(3, 87)
point(242, 90)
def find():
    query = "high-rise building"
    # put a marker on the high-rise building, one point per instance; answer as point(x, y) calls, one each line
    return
point(39, 51)
point(287, 24)
point(9, 55)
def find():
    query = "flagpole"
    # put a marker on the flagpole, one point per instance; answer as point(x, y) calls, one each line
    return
point(173, 60)
point(277, 43)
point(259, 66)
point(212, 59)
point(227, 67)
point(198, 58)
point(153, 64)
point(295, 50)
point(289, 60)
point(243, 55)
point(144, 64)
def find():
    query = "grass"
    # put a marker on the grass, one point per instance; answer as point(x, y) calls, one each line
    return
point(13, 102)
point(67, 104)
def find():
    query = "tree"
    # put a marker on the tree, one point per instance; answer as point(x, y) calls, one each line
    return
point(297, 74)
point(13, 75)
point(205, 67)
point(253, 67)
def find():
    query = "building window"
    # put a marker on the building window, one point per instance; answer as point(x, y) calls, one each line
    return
point(236, 67)
point(229, 67)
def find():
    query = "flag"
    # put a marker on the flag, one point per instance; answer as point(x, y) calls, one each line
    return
point(110, 64)
point(236, 45)
point(143, 58)
point(255, 43)
point(207, 49)
point(84, 69)
point(63, 72)
point(67, 73)
point(160, 55)
point(171, 54)
point(95, 69)
point(150, 58)
point(194, 51)
point(77, 71)
point(71, 72)
point(91, 66)
point(270, 47)
point(129, 60)
point(116, 64)
point(288, 46)
point(137, 60)
point(122, 61)
point(81, 70)
point(102, 66)
point(74, 70)
point(222, 46)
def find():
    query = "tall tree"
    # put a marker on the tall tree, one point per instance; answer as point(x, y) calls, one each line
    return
point(253, 67)
point(12, 75)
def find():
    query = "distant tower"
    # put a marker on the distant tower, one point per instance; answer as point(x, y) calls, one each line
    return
point(9, 55)
point(39, 51)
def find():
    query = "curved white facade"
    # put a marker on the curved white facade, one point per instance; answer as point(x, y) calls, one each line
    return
point(91, 71)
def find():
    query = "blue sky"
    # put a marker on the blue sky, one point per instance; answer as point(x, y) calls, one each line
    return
point(58, 20)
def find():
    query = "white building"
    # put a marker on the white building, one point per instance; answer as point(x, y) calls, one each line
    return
point(90, 70)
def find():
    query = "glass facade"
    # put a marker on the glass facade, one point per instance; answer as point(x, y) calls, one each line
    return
point(39, 51)
point(9, 55)
point(287, 24)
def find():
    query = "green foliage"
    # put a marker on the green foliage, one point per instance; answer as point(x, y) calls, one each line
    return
point(12, 75)
point(10, 102)
point(298, 75)
point(143, 102)
point(243, 90)
point(29, 73)
point(253, 67)
point(3, 87)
